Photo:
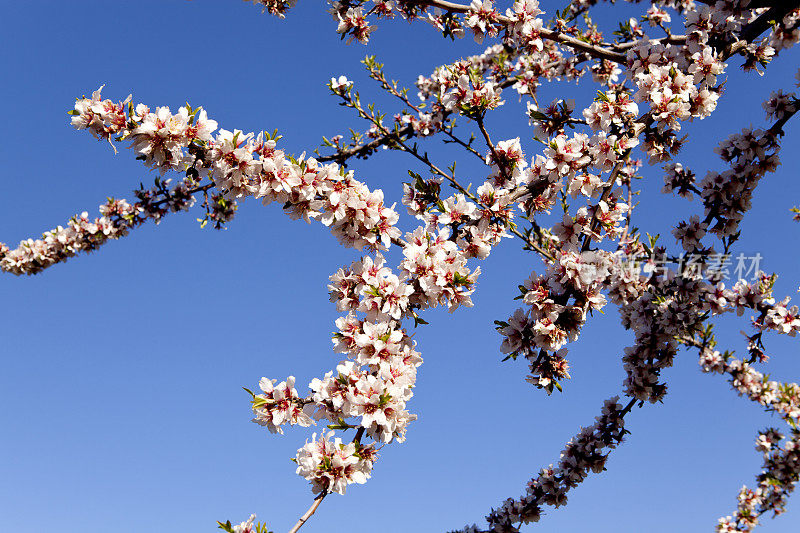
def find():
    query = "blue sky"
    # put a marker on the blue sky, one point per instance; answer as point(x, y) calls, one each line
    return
point(122, 370)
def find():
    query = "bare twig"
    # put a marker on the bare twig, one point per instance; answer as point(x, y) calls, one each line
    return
point(308, 514)
point(490, 145)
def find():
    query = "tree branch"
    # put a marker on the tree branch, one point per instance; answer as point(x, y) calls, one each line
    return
point(309, 513)
point(550, 35)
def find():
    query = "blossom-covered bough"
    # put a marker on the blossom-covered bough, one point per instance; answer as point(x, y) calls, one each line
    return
point(569, 202)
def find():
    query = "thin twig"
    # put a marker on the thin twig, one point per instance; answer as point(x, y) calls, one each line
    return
point(310, 512)
point(467, 146)
point(490, 144)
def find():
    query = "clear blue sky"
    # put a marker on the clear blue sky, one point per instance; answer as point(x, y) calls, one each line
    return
point(122, 406)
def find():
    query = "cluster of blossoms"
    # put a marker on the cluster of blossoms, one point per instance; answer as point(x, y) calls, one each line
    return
point(243, 165)
point(678, 179)
point(378, 393)
point(657, 322)
point(656, 16)
point(373, 385)
point(775, 483)
point(376, 382)
point(248, 526)
point(448, 88)
point(728, 24)
point(577, 163)
point(439, 270)
point(446, 77)
point(781, 468)
point(351, 21)
point(369, 287)
point(423, 124)
point(473, 85)
point(781, 318)
point(756, 296)
point(672, 308)
point(584, 453)
point(780, 105)
point(331, 465)
point(548, 323)
point(676, 86)
point(660, 315)
point(780, 398)
point(482, 19)
point(727, 196)
point(472, 96)
point(523, 72)
point(786, 34)
point(279, 404)
point(611, 109)
point(473, 223)
point(275, 7)
point(82, 234)
point(525, 25)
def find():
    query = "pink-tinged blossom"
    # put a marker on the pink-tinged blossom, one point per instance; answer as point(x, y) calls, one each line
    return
point(656, 16)
point(275, 7)
point(330, 465)
point(689, 234)
point(246, 526)
point(352, 22)
point(103, 118)
point(482, 19)
point(340, 84)
point(780, 104)
point(279, 404)
point(525, 24)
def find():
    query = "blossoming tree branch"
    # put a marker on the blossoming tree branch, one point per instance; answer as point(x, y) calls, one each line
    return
point(567, 199)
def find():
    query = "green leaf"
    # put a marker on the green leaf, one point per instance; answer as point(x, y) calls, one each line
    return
point(226, 526)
